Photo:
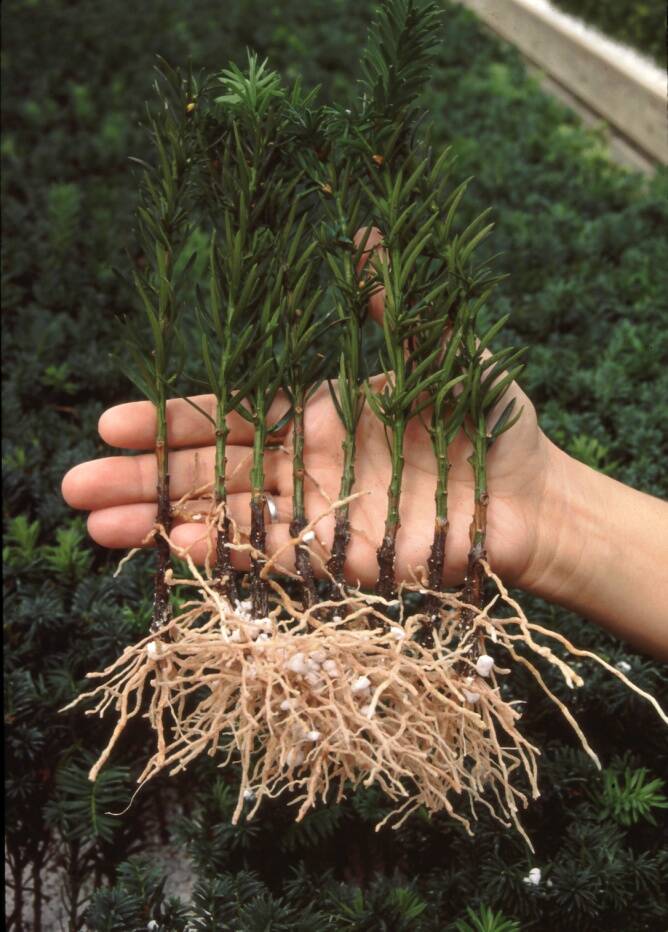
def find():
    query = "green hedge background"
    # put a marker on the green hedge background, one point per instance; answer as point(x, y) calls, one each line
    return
point(585, 242)
point(640, 23)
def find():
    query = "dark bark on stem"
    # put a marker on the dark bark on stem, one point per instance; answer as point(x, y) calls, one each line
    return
point(304, 565)
point(475, 580)
point(474, 584)
point(437, 555)
point(337, 561)
point(299, 522)
point(258, 532)
point(258, 540)
point(223, 573)
point(387, 552)
point(162, 607)
point(225, 581)
point(435, 566)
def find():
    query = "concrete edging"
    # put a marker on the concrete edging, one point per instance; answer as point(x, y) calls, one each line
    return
point(625, 90)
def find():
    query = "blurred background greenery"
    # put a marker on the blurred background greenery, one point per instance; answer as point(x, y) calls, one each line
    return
point(638, 23)
point(582, 240)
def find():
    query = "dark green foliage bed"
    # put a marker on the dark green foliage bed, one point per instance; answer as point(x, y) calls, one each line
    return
point(585, 243)
point(640, 24)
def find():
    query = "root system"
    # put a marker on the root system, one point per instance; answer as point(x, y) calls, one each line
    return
point(316, 708)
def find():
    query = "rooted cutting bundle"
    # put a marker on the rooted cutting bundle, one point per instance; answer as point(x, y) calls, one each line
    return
point(311, 683)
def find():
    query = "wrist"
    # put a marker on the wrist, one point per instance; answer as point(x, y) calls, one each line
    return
point(571, 539)
point(599, 551)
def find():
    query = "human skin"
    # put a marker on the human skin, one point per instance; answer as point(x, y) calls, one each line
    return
point(556, 528)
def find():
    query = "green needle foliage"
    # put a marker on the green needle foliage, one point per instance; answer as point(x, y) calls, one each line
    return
point(639, 24)
point(242, 192)
point(427, 274)
point(490, 377)
point(336, 166)
point(396, 67)
point(485, 920)
point(407, 192)
point(410, 290)
point(224, 340)
point(350, 297)
point(245, 144)
point(629, 796)
point(258, 402)
point(163, 222)
point(584, 241)
point(270, 165)
point(447, 415)
point(305, 365)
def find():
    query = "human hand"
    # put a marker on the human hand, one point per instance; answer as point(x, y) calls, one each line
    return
point(120, 491)
point(555, 527)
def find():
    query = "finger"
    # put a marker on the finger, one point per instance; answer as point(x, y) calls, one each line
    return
point(200, 545)
point(132, 426)
point(278, 533)
point(372, 247)
point(126, 480)
point(128, 526)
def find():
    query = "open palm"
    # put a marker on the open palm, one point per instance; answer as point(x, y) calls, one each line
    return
point(120, 491)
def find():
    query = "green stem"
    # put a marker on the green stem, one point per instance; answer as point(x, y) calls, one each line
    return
point(223, 572)
point(352, 346)
point(386, 553)
point(474, 583)
point(435, 564)
point(442, 467)
point(298, 510)
point(302, 559)
point(336, 562)
point(479, 523)
point(258, 534)
point(162, 609)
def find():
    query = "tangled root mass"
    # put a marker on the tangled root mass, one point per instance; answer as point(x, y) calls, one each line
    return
point(320, 701)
